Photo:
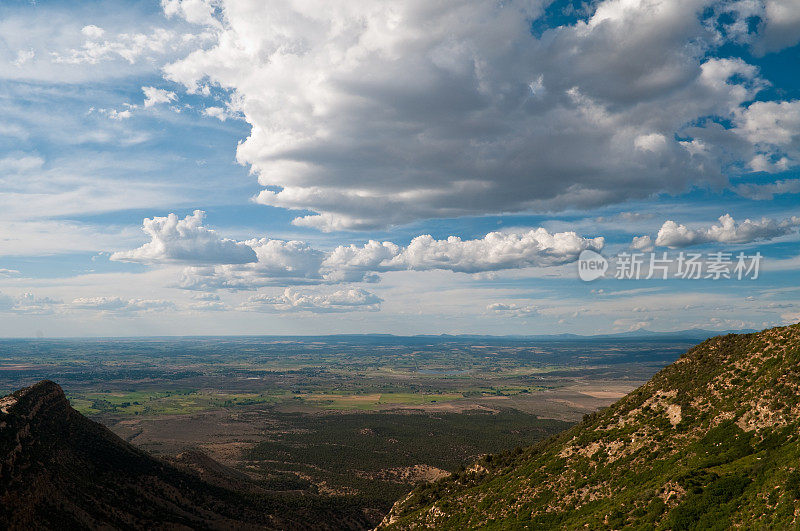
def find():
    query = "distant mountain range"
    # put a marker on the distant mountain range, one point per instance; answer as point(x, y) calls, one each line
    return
point(711, 442)
point(692, 333)
point(60, 470)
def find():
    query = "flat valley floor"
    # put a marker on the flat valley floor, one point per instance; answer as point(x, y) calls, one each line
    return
point(361, 416)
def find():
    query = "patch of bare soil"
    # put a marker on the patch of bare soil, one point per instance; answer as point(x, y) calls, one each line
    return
point(408, 474)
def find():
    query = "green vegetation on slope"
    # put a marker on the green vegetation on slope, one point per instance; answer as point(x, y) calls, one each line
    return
point(710, 442)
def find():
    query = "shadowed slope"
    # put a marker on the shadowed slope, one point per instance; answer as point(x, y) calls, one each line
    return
point(59, 469)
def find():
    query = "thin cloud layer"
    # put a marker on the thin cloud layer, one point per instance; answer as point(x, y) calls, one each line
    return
point(766, 192)
point(99, 47)
point(117, 304)
point(292, 300)
point(380, 114)
point(28, 303)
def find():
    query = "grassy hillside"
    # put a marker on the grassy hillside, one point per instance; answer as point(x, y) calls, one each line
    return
point(710, 442)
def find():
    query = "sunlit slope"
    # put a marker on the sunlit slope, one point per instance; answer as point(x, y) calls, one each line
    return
point(711, 441)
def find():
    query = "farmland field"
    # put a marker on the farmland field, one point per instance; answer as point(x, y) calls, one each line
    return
point(363, 416)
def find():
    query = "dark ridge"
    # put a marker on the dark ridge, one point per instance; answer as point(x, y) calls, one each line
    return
point(60, 470)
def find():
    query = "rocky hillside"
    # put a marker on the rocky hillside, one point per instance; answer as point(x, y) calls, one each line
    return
point(712, 441)
point(60, 470)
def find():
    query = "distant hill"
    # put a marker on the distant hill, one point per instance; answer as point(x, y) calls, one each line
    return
point(693, 333)
point(637, 335)
point(711, 442)
point(60, 470)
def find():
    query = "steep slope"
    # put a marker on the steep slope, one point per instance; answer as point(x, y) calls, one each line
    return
point(710, 442)
point(60, 470)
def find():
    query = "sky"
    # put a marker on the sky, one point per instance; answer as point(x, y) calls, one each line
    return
point(225, 167)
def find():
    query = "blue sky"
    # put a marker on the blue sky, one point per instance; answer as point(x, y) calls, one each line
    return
point(244, 167)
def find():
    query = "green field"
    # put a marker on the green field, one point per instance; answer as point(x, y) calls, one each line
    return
point(159, 402)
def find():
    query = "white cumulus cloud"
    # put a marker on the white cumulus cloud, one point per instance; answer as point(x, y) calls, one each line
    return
point(154, 96)
point(93, 32)
point(385, 113)
point(277, 262)
point(642, 243)
point(293, 262)
point(216, 112)
point(674, 235)
point(494, 252)
point(356, 263)
point(186, 240)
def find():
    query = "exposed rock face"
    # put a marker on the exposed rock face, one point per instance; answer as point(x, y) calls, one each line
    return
point(60, 470)
point(411, 474)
